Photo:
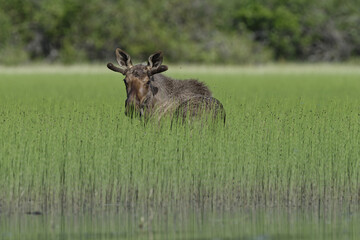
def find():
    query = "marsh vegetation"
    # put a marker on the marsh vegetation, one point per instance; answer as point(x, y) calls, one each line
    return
point(291, 139)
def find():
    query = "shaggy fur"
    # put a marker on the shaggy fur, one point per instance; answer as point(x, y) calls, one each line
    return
point(172, 93)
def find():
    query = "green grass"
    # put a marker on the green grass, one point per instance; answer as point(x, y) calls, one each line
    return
point(291, 138)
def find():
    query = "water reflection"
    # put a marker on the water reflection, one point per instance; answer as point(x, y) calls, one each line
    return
point(259, 224)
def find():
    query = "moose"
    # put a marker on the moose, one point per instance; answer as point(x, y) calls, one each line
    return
point(150, 93)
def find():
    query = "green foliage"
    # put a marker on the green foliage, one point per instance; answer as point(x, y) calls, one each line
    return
point(5, 30)
point(186, 30)
point(280, 28)
point(11, 55)
point(302, 29)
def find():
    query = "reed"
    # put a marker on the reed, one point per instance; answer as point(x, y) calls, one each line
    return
point(290, 139)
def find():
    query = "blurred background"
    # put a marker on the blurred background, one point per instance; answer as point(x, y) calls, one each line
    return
point(188, 31)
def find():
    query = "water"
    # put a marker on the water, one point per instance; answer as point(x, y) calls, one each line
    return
point(250, 224)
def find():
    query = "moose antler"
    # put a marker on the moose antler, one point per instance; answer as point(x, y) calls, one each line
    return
point(116, 69)
point(159, 69)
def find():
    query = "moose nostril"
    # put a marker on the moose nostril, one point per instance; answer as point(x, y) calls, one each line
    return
point(133, 101)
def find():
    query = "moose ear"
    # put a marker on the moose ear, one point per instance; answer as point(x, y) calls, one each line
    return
point(123, 58)
point(155, 60)
point(154, 63)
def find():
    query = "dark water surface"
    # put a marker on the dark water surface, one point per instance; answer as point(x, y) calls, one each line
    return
point(257, 224)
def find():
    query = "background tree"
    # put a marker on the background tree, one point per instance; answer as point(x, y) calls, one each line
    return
point(214, 31)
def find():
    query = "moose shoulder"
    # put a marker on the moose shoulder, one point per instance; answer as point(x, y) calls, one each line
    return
point(150, 93)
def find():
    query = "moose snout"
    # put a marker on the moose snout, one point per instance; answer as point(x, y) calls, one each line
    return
point(131, 106)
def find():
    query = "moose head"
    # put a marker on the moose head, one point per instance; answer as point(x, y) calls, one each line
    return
point(138, 80)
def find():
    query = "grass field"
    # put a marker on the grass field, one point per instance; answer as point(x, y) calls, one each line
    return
point(291, 138)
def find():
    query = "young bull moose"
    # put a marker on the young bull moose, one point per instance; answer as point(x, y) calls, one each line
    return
point(150, 93)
